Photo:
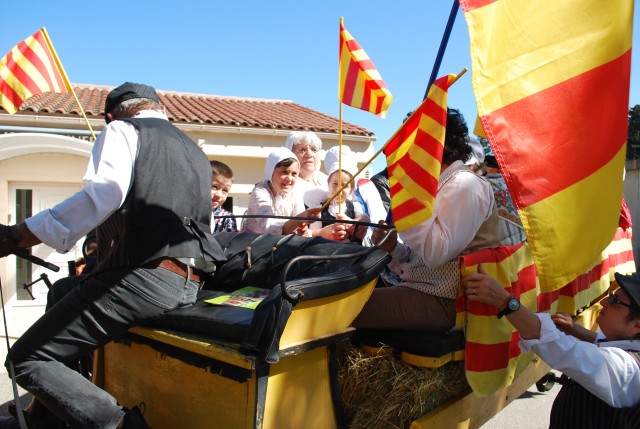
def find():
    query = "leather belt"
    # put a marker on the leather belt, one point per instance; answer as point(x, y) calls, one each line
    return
point(177, 267)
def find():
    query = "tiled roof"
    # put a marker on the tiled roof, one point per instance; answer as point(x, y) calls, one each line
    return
point(187, 108)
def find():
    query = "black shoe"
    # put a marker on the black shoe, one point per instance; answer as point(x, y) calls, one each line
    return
point(39, 418)
point(133, 418)
point(9, 422)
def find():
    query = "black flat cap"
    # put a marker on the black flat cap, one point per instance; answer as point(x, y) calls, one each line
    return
point(631, 286)
point(490, 161)
point(128, 91)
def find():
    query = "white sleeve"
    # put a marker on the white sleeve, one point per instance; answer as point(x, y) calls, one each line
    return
point(105, 186)
point(462, 205)
point(609, 373)
point(371, 197)
point(261, 204)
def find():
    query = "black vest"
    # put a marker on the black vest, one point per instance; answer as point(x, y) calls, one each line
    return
point(576, 407)
point(328, 219)
point(167, 211)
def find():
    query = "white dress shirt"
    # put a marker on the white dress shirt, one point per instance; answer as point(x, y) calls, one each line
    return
point(105, 186)
point(463, 203)
point(604, 369)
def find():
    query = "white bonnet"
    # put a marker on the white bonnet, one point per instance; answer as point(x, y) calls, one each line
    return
point(277, 155)
point(477, 152)
point(332, 160)
point(298, 137)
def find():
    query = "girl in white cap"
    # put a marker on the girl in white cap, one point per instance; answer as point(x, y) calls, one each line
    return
point(275, 196)
point(344, 206)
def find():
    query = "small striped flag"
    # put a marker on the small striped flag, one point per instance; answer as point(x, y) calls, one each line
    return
point(414, 158)
point(361, 86)
point(551, 81)
point(30, 68)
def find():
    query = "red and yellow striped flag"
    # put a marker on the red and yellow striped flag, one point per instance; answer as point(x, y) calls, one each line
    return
point(551, 81)
point(30, 68)
point(361, 86)
point(414, 157)
point(492, 356)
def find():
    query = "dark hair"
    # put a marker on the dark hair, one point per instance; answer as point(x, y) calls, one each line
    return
point(456, 145)
point(634, 314)
point(129, 108)
point(286, 162)
point(219, 168)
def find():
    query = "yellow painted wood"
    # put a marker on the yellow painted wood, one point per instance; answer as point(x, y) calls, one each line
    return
point(200, 344)
point(376, 350)
point(432, 362)
point(180, 395)
point(298, 394)
point(469, 411)
point(176, 394)
point(319, 317)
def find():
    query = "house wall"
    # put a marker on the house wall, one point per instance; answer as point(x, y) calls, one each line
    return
point(42, 168)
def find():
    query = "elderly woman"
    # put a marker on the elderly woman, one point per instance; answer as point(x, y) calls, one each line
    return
point(306, 146)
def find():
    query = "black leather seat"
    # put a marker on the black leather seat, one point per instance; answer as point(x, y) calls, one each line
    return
point(311, 268)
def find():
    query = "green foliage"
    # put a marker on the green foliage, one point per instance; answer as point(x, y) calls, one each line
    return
point(485, 144)
point(633, 139)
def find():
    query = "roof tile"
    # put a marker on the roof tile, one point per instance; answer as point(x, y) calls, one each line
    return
point(188, 108)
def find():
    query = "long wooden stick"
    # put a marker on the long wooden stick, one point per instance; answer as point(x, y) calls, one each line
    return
point(66, 79)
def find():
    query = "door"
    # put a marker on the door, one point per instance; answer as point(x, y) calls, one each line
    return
point(30, 280)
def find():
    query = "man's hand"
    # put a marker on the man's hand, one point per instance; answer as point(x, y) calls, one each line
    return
point(8, 240)
point(563, 322)
point(390, 243)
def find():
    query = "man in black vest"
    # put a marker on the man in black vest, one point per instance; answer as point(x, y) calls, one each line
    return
point(604, 367)
point(147, 190)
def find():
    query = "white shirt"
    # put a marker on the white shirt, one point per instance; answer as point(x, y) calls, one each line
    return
point(604, 369)
point(371, 197)
point(263, 203)
point(105, 186)
point(463, 203)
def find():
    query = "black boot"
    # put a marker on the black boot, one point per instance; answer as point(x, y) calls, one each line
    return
point(39, 417)
point(133, 418)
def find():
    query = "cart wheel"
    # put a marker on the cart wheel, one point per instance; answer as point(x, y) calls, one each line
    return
point(546, 383)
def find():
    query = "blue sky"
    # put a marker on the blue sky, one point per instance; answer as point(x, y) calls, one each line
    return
point(280, 49)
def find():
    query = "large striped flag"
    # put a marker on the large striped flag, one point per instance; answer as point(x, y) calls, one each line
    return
point(551, 81)
point(492, 356)
point(30, 68)
point(361, 86)
point(414, 158)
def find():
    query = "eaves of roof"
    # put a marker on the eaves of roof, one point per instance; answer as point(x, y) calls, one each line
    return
point(195, 109)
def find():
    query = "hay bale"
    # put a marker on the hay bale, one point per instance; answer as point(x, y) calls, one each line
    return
point(382, 392)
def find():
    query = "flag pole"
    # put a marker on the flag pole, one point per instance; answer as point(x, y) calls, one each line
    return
point(339, 131)
point(379, 151)
point(443, 46)
point(66, 79)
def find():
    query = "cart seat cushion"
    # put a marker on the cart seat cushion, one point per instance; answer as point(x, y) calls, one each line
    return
point(415, 342)
point(218, 321)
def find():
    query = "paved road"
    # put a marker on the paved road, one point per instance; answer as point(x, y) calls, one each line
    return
point(529, 411)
